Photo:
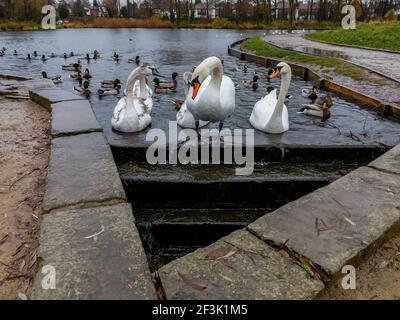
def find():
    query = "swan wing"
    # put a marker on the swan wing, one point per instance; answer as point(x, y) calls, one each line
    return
point(263, 111)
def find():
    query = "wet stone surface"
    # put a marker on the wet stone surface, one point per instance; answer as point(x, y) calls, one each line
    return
point(73, 117)
point(47, 97)
point(81, 170)
point(109, 265)
point(390, 161)
point(239, 266)
point(336, 224)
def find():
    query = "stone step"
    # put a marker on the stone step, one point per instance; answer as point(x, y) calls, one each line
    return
point(96, 254)
point(271, 185)
point(170, 234)
point(237, 267)
point(81, 170)
point(360, 154)
point(340, 224)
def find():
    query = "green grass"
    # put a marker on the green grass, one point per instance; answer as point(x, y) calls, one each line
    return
point(381, 35)
point(260, 47)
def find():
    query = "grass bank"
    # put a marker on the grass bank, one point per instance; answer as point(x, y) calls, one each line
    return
point(155, 22)
point(381, 35)
point(260, 47)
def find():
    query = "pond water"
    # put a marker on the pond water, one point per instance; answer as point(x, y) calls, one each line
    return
point(180, 50)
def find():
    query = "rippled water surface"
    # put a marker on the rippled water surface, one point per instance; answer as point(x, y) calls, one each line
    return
point(180, 50)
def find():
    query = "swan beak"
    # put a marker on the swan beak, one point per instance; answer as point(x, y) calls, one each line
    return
point(275, 73)
point(196, 88)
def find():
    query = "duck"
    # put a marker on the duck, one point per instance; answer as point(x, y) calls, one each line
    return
point(73, 66)
point(86, 75)
point(76, 76)
point(184, 118)
point(252, 84)
point(56, 79)
point(240, 68)
point(83, 90)
point(170, 84)
point(211, 95)
point(310, 93)
point(319, 108)
point(160, 89)
point(108, 92)
point(270, 114)
point(316, 110)
point(110, 84)
point(136, 60)
point(133, 112)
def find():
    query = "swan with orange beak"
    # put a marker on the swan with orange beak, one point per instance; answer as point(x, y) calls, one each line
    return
point(211, 94)
point(270, 114)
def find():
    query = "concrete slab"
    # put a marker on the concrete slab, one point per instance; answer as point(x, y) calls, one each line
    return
point(47, 97)
point(81, 170)
point(338, 224)
point(251, 271)
point(73, 117)
point(390, 161)
point(111, 265)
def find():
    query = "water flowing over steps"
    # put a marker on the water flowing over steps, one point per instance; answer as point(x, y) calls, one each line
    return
point(179, 209)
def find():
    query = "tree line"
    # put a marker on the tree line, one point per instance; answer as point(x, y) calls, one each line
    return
point(260, 11)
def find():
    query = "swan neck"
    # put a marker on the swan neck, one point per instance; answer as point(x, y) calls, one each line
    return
point(285, 83)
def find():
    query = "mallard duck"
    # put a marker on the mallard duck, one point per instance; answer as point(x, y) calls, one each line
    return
point(87, 75)
point(162, 89)
point(136, 60)
point(310, 93)
point(316, 110)
point(170, 84)
point(73, 66)
point(84, 90)
point(211, 96)
point(56, 79)
point(108, 92)
point(77, 76)
point(184, 118)
point(270, 114)
point(109, 84)
point(249, 84)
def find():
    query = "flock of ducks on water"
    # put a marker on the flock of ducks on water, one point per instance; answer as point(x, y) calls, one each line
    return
point(209, 95)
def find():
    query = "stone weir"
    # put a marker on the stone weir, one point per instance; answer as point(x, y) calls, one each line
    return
point(284, 232)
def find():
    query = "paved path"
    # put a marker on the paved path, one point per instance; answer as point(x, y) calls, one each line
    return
point(382, 62)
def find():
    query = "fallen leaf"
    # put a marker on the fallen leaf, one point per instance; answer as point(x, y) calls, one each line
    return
point(6, 238)
point(217, 253)
point(194, 284)
point(22, 296)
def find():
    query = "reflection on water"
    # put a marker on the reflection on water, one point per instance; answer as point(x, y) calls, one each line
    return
point(178, 51)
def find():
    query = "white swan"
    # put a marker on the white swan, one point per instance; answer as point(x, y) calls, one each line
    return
point(132, 113)
point(184, 118)
point(270, 114)
point(212, 94)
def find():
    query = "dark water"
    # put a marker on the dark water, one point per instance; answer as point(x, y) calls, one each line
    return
point(180, 50)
